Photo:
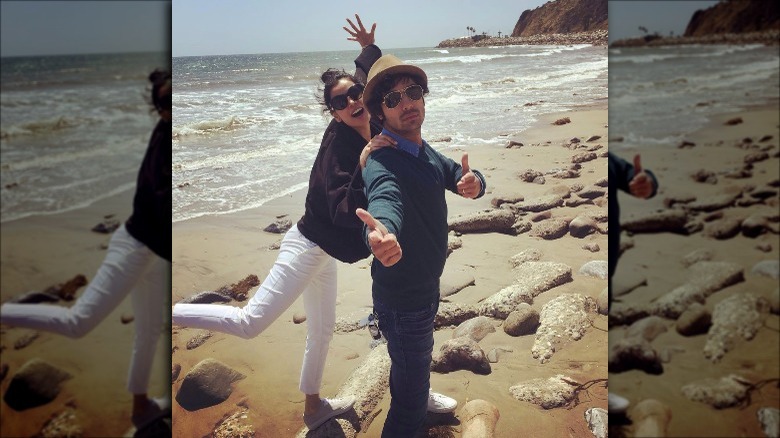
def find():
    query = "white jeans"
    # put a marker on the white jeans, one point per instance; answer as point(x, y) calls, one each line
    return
point(301, 268)
point(129, 265)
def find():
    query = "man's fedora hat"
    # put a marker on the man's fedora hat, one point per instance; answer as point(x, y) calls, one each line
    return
point(389, 64)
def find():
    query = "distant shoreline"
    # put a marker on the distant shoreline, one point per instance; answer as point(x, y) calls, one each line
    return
point(767, 37)
point(597, 38)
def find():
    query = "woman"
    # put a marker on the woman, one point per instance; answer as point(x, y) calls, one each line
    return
point(328, 230)
point(138, 258)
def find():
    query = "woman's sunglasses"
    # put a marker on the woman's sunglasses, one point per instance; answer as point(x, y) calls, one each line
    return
point(340, 102)
point(393, 98)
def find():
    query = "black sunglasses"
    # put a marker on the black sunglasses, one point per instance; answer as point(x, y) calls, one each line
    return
point(393, 98)
point(340, 102)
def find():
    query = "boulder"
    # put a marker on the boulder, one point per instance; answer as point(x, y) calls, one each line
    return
point(738, 316)
point(715, 202)
point(453, 314)
point(207, 297)
point(460, 354)
point(498, 221)
point(453, 281)
point(672, 221)
point(280, 226)
point(705, 279)
point(722, 229)
point(647, 328)
point(634, 353)
point(527, 255)
point(769, 418)
point(696, 320)
point(562, 318)
point(550, 229)
point(208, 383)
point(531, 279)
point(767, 268)
point(36, 383)
point(550, 393)
point(696, 256)
point(595, 268)
point(726, 392)
point(582, 226)
point(598, 422)
point(542, 203)
point(475, 328)
point(523, 321)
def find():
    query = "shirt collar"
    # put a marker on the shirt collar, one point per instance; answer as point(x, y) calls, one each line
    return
point(403, 144)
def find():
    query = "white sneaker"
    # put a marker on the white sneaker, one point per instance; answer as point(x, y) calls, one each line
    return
point(617, 404)
point(329, 408)
point(440, 403)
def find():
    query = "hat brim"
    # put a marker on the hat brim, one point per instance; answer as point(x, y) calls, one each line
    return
point(402, 69)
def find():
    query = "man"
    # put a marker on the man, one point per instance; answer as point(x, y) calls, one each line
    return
point(406, 229)
point(640, 183)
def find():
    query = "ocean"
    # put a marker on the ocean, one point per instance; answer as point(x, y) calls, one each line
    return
point(73, 129)
point(246, 128)
point(657, 95)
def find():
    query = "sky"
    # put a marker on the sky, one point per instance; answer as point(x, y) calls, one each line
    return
point(660, 16)
point(208, 27)
point(34, 28)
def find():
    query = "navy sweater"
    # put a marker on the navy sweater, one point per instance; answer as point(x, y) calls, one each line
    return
point(406, 194)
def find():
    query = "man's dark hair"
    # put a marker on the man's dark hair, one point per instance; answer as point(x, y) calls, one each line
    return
point(329, 79)
point(374, 102)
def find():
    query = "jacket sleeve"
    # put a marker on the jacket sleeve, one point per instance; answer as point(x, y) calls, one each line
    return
point(344, 186)
point(365, 60)
point(385, 201)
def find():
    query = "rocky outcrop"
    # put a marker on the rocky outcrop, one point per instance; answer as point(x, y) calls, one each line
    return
point(734, 16)
point(563, 16)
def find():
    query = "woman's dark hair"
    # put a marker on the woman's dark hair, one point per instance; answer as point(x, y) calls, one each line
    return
point(387, 83)
point(329, 79)
point(159, 78)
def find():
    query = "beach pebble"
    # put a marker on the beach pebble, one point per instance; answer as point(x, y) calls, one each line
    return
point(704, 176)
point(126, 318)
point(560, 190)
point(460, 354)
point(584, 157)
point(532, 278)
point(501, 200)
point(521, 226)
point(453, 314)
point(696, 320)
point(726, 392)
point(475, 328)
point(529, 175)
point(553, 392)
point(715, 202)
point(497, 220)
point(702, 254)
point(526, 255)
point(513, 143)
point(495, 353)
point(175, 371)
point(34, 384)
point(598, 422)
point(207, 384)
point(563, 318)
point(562, 121)
point(769, 418)
point(755, 225)
point(206, 297)
point(736, 317)
point(634, 353)
point(592, 192)
point(767, 268)
point(280, 226)
point(198, 340)
point(595, 147)
point(351, 356)
point(657, 222)
point(550, 229)
point(577, 201)
point(539, 180)
point(299, 317)
point(593, 138)
point(238, 291)
point(755, 157)
point(651, 418)
point(705, 278)
point(522, 321)
point(236, 425)
point(647, 328)
point(478, 419)
point(722, 229)
point(62, 424)
point(108, 226)
point(26, 339)
point(541, 203)
point(733, 121)
point(592, 247)
point(538, 217)
point(763, 192)
point(764, 247)
point(595, 268)
point(582, 226)
point(625, 314)
point(603, 301)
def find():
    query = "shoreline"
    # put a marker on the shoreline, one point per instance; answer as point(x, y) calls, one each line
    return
point(768, 37)
point(596, 38)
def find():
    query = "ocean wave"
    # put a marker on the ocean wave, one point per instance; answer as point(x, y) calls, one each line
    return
point(45, 126)
point(206, 127)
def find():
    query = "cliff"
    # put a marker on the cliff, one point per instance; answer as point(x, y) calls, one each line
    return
point(563, 16)
point(735, 16)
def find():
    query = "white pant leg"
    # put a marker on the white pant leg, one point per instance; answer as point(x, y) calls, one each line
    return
point(298, 262)
point(149, 309)
point(319, 301)
point(126, 260)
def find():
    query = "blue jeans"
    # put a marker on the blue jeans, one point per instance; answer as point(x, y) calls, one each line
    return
point(410, 344)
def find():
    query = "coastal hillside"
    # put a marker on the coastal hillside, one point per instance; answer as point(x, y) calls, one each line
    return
point(563, 16)
point(735, 16)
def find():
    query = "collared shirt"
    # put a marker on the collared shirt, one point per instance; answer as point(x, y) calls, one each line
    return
point(403, 143)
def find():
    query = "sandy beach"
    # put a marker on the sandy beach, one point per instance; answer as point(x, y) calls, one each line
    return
point(719, 148)
point(210, 252)
point(43, 251)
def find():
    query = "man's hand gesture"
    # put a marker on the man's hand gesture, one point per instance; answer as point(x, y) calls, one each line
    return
point(641, 185)
point(384, 245)
point(469, 185)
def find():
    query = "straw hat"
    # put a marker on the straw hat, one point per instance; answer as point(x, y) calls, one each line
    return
point(389, 64)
